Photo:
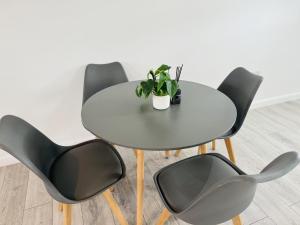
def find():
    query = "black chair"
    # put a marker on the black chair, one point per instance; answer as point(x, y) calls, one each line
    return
point(209, 189)
point(100, 76)
point(240, 86)
point(71, 174)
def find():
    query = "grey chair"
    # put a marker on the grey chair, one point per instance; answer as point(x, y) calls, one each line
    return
point(209, 189)
point(71, 174)
point(100, 76)
point(240, 86)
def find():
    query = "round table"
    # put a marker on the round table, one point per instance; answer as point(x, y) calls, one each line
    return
point(118, 116)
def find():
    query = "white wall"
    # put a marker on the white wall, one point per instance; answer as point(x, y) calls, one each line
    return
point(45, 45)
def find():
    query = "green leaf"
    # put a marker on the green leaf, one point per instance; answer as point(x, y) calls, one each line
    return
point(172, 87)
point(162, 80)
point(147, 87)
point(139, 91)
point(161, 92)
point(162, 68)
point(151, 72)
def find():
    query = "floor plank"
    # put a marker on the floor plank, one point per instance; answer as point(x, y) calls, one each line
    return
point(296, 208)
point(265, 221)
point(96, 211)
point(2, 175)
point(36, 193)
point(275, 207)
point(13, 194)
point(40, 215)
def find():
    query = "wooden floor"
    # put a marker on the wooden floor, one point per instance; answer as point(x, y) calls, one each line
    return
point(266, 133)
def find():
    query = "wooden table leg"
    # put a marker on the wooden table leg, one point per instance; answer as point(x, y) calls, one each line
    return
point(213, 145)
point(237, 220)
point(177, 153)
point(202, 149)
point(139, 187)
point(167, 154)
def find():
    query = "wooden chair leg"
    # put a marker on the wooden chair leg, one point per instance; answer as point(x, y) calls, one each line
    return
point(202, 149)
point(236, 220)
point(213, 145)
point(230, 150)
point(167, 154)
point(135, 152)
point(164, 216)
point(60, 207)
point(67, 211)
point(114, 207)
point(177, 153)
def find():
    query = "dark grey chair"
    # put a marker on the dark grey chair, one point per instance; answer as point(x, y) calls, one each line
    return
point(100, 76)
point(71, 174)
point(209, 189)
point(240, 86)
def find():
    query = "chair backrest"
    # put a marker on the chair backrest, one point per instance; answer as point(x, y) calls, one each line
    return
point(231, 196)
point(32, 148)
point(27, 144)
point(100, 76)
point(278, 167)
point(240, 86)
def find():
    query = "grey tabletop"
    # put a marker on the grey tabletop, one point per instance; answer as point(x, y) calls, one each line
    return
point(117, 115)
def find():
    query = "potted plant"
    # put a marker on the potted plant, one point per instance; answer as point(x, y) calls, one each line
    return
point(160, 85)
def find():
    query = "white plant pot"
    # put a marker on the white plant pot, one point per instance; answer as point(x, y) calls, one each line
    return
point(161, 102)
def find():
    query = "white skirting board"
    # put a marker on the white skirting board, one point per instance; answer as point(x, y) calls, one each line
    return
point(8, 160)
point(275, 100)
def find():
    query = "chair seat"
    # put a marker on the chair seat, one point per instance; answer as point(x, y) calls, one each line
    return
point(181, 182)
point(86, 169)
